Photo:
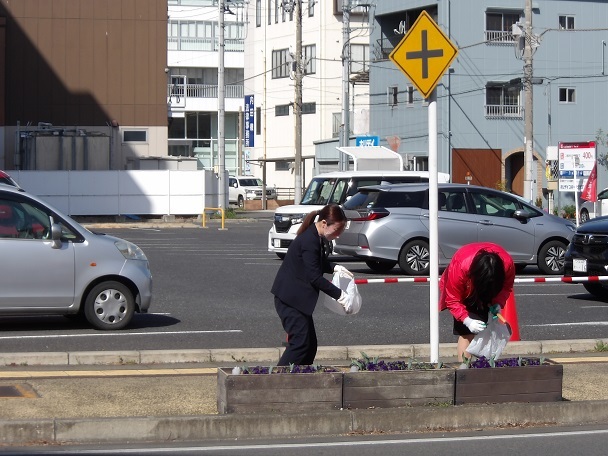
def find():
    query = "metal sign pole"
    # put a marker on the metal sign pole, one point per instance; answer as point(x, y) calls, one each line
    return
point(433, 229)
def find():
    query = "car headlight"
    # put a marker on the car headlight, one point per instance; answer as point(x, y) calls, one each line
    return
point(130, 251)
point(297, 218)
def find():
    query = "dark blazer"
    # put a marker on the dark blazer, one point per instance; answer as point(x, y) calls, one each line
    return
point(300, 277)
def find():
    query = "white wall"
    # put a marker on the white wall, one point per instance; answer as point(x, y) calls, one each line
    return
point(138, 192)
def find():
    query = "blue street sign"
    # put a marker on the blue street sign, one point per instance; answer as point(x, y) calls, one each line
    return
point(367, 141)
point(249, 121)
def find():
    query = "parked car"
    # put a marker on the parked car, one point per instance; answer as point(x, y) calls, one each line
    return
point(587, 255)
point(241, 188)
point(7, 180)
point(589, 210)
point(389, 225)
point(335, 187)
point(54, 266)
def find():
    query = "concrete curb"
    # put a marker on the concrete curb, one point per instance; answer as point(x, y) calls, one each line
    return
point(207, 427)
point(235, 356)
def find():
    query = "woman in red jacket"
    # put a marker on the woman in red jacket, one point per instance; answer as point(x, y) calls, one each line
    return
point(479, 279)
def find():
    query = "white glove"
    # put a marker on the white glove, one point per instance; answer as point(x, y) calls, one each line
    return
point(475, 326)
point(345, 302)
point(342, 270)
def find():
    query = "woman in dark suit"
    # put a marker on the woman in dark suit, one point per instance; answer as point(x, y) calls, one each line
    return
point(300, 278)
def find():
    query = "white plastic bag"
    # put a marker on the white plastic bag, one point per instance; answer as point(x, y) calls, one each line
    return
point(491, 341)
point(345, 283)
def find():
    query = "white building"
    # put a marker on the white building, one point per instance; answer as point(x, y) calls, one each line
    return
point(192, 80)
point(270, 45)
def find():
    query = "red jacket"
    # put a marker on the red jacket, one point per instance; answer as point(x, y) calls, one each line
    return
point(455, 284)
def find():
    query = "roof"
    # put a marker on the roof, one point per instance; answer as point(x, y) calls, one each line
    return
point(374, 157)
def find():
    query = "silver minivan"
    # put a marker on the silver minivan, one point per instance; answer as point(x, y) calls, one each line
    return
point(389, 225)
point(54, 266)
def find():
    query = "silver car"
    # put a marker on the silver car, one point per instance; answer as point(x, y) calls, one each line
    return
point(389, 225)
point(54, 266)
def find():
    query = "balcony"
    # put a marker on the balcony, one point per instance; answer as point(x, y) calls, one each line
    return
point(499, 37)
point(175, 43)
point(504, 111)
point(202, 91)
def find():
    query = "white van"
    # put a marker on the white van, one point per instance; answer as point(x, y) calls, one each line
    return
point(334, 187)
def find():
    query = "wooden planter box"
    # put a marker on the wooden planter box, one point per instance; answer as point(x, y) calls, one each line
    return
point(509, 384)
point(398, 388)
point(250, 393)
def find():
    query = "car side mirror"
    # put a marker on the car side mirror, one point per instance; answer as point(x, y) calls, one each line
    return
point(521, 215)
point(56, 235)
point(235, 185)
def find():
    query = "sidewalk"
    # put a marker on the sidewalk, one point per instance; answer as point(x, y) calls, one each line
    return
point(163, 395)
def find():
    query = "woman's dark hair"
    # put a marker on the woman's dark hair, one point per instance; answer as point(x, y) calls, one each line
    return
point(487, 275)
point(332, 213)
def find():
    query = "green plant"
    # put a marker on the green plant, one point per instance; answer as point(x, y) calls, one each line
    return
point(568, 212)
point(374, 364)
point(501, 185)
point(538, 202)
point(601, 346)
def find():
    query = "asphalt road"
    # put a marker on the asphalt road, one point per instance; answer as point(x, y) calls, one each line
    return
point(212, 290)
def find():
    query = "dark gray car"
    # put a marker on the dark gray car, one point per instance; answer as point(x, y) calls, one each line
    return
point(389, 225)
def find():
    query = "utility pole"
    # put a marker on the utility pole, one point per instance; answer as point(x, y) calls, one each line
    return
point(345, 133)
point(221, 111)
point(297, 105)
point(528, 94)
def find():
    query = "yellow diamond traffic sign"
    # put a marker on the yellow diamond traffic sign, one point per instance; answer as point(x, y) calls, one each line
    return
point(424, 54)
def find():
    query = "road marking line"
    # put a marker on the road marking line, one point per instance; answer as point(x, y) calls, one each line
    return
point(113, 334)
point(579, 323)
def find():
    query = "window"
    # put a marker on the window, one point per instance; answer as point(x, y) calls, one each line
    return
point(503, 100)
point(309, 108)
point(258, 13)
point(269, 10)
point(566, 95)
point(359, 58)
point(135, 136)
point(282, 165)
point(281, 110)
point(410, 95)
point(258, 121)
point(277, 5)
point(310, 59)
point(336, 122)
point(391, 95)
point(280, 63)
point(499, 26)
point(566, 22)
point(311, 8)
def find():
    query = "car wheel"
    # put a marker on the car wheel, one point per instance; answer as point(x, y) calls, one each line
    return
point(551, 257)
point(241, 202)
point(414, 258)
point(109, 305)
point(281, 255)
point(584, 217)
point(380, 266)
point(598, 290)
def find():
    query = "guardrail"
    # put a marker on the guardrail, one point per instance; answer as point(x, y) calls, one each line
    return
point(211, 210)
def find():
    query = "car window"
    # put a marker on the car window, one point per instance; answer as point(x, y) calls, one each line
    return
point(338, 194)
point(362, 200)
point(455, 201)
point(21, 220)
point(250, 182)
point(495, 204)
point(318, 191)
point(402, 199)
point(231, 181)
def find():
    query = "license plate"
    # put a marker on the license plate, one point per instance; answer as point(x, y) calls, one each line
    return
point(579, 265)
point(276, 243)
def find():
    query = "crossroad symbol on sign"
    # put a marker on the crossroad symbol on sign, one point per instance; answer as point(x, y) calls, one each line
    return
point(424, 54)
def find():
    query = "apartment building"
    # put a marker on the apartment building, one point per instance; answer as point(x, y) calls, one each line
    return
point(270, 45)
point(480, 100)
point(82, 83)
point(193, 58)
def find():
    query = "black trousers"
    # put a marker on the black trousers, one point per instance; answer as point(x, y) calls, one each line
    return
point(302, 337)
